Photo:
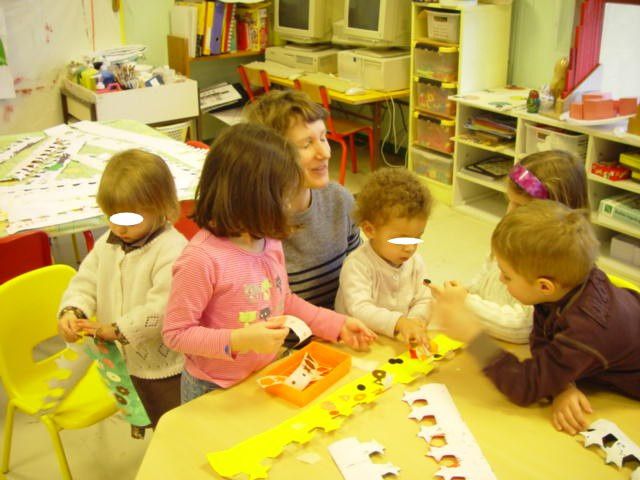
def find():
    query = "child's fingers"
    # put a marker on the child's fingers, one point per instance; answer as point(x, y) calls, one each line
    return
point(451, 283)
point(436, 291)
point(584, 404)
point(275, 322)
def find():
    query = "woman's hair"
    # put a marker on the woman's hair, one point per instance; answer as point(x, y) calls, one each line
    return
point(392, 192)
point(134, 181)
point(281, 109)
point(561, 173)
point(545, 238)
point(248, 178)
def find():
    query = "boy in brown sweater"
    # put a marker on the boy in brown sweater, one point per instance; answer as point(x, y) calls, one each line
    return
point(584, 327)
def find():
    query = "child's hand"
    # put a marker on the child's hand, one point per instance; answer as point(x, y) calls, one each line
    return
point(105, 331)
point(412, 330)
point(568, 409)
point(67, 327)
point(356, 334)
point(260, 337)
point(450, 312)
point(452, 292)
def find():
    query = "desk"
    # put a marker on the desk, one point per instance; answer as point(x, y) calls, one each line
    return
point(519, 443)
point(84, 171)
point(374, 98)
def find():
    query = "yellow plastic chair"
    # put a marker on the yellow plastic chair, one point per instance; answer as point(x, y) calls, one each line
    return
point(28, 306)
point(622, 283)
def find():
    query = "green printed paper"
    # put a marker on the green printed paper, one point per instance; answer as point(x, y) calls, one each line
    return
point(3, 55)
point(116, 377)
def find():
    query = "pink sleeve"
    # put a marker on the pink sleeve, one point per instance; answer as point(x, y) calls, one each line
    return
point(323, 322)
point(191, 290)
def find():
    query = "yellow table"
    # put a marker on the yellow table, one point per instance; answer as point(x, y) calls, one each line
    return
point(374, 98)
point(519, 443)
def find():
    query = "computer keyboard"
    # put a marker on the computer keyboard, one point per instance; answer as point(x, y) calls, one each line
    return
point(276, 69)
point(329, 81)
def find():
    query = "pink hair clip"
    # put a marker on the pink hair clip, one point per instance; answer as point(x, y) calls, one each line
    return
point(528, 182)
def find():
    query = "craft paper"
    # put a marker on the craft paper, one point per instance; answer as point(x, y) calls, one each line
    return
point(460, 442)
point(72, 366)
point(617, 446)
point(7, 89)
point(17, 146)
point(310, 457)
point(116, 377)
point(298, 327)
point(354, 461)
point(328, 414)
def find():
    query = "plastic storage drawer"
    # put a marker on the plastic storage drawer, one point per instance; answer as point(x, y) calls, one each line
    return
point(540, 139)
point(432, 97)
point(437, 63)
point(432, 165)
point(444, 26)
point(435, 134)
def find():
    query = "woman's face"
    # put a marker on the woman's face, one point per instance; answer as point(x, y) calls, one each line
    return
point(313, 146)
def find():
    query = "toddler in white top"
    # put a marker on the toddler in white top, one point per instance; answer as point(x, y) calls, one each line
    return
point(382, 281)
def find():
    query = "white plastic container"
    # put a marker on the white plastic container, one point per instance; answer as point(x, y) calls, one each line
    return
point(443, 26)
point(432, 165)
point(540, 139)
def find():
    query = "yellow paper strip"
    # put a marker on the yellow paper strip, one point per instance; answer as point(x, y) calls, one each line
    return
point(248, 456)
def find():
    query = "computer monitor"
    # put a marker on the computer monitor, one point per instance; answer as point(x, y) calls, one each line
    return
point(303, 21)
point(374, 23)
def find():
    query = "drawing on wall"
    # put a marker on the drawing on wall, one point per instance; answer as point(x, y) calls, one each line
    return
point(6, 79)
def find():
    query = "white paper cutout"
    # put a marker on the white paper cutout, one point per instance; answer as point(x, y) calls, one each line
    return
point(353, 460)
point(309, 370)
point(616, 445)
point(460, 442)
point(298, 327)
point(17, 146)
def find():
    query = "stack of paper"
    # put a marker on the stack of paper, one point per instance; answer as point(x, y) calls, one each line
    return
point(501, 127)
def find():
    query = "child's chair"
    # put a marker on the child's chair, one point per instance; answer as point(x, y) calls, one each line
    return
point(255, 82)
point(339, 129)
point(22, 252)
point(185, 225)
point(29, 304)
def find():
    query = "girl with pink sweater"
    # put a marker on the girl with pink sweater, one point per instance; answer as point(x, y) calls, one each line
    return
point(230, 284)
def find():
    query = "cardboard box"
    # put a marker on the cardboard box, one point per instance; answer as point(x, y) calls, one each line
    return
point(164, 103)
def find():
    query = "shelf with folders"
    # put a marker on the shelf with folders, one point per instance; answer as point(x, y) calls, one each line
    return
point(454, 51)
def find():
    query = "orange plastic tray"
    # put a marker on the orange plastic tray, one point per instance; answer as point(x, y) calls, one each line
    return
point(339, 362)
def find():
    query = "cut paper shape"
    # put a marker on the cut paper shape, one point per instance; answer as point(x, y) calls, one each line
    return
point(617, 446)
point(328, 414)
point(308, 371)
point(16, 147)
point(126, 219)
point(298, 327)
point(114, 373)
point(353, 459)
point(405, 241)
point(471, 464)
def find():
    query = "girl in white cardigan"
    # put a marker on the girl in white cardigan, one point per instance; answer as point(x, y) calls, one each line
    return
point(125, 280)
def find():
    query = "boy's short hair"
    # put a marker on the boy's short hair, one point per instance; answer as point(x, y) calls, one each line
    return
point(282, 109)
point(248, 178)
point(392, 192)
point(563, 175)
point(136, 180)
point(547, 239)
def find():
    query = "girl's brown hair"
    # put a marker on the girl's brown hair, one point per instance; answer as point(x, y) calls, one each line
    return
point(281, 109)
point(248, 177)
point(563, 175)
point(134, 181)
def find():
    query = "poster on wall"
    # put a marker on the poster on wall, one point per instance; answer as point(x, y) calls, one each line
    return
point(6, 79)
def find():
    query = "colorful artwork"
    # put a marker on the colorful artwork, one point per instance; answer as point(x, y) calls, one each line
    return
point(329, 414)
point(115, 376)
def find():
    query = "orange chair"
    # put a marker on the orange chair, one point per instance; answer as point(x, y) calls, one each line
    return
point(255, 82)
point(23, 252)
point(339, 129)
point(185, 225)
